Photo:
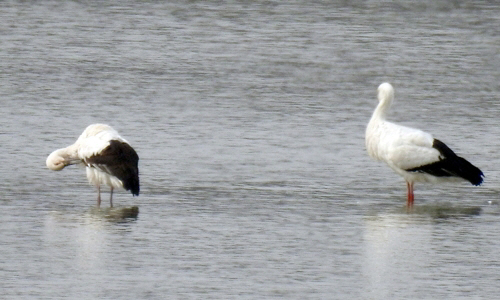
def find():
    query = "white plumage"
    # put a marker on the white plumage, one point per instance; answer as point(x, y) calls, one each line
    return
point(109, 159)
point(412, 153)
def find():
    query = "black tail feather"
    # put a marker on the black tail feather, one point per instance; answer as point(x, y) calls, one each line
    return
point(131, 182)
point(462, 168)
point(451, 165)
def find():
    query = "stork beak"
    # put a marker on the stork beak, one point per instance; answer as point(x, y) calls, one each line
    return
point(72, 162)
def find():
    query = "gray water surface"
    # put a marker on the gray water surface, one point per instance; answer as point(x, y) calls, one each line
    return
point(249, 121)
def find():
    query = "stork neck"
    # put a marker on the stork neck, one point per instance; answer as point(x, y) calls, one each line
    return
point(70, 152)
point(380, 112)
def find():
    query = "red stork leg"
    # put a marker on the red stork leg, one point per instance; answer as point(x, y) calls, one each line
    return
point(409, 202)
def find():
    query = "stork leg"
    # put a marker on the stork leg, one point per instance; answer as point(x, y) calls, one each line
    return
point(409, 202)
point(98, 196)
point(111, 198)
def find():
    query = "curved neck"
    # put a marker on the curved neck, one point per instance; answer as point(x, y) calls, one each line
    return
point(382, 109)
point(69, 154)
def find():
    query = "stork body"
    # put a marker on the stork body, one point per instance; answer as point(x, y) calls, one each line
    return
point(109, 160)
point(412, 153)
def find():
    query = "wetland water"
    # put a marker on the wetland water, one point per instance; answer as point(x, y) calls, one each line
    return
point(249, 121)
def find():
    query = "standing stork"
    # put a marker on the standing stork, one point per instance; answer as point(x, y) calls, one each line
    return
point(109, 160)
point(412, 153)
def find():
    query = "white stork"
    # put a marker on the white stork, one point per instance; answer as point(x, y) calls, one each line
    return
point(109, 159)
point(412, 153)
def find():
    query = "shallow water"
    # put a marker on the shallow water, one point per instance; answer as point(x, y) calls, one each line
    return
point(249, 122)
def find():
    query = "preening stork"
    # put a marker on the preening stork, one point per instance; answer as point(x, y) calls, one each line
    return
point(109, 160)
point(412, 153)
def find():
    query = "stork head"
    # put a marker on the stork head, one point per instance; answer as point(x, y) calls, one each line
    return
point(55, 161)
point(385, 93)
point(61, 158)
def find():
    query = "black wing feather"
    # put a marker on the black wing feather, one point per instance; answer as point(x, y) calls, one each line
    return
point(119, 159)
point(451, 165)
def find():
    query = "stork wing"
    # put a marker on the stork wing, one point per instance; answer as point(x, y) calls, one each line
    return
point(410, 148)
point(408, 157)
point(116, 158)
